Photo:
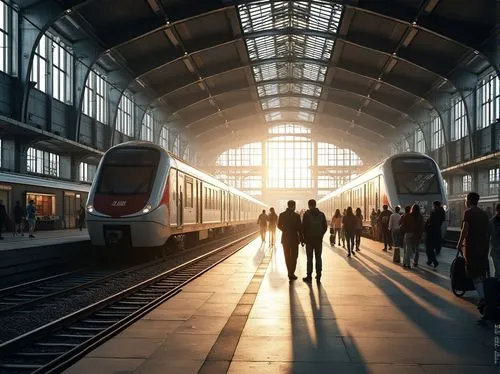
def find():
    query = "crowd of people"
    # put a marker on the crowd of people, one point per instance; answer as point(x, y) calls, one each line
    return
point(20, 215)
point(398, 230)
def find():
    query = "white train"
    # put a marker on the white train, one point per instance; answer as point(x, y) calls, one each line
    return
point(142, 195)
point(404, 179)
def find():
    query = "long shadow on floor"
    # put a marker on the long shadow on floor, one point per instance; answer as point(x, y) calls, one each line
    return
point(439, 319)
point(317, 343)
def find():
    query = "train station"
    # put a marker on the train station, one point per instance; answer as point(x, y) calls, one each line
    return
point(250, 186)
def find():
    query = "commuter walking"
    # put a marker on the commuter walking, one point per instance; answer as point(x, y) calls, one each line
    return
point(359, 227)
point(81, 218)
point(474, 238)
point(290, 226)
point(336, 226)
point(433, 233)
point(314, 226)
point(384, 227)
point(273, 221)
point(495, 241)
point(3, 217)
point(18, 219)
point(342, 231)
point(413, 224)
point(262, 222)
point(395, 233)
point(373, 223)
point(349, 224)
point(31, 214)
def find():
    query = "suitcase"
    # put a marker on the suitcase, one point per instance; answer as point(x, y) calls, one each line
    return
point(460, 282)
point(396, 256)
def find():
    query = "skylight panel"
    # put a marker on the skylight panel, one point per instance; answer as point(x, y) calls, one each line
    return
point(265, 15)
point(307, 103)
point(265, 72)
point(273, 116)
point(267, 89)
point(305, 116)
point(270, 103)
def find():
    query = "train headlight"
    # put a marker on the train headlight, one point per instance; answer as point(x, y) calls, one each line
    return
point(90, 208)
point(147, 208)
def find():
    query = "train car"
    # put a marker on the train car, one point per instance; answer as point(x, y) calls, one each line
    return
point(404, 179)
point(142, 196)
point(57, 201)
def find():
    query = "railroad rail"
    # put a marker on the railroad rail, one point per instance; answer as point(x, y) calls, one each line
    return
point(55, 346)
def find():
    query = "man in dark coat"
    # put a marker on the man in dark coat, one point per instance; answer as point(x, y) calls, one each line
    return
point(290, 225)
point(476, 235)
point(433, 233)
point(314, 227)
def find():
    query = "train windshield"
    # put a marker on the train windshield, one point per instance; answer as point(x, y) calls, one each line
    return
point(128, 171)
point(416, 176)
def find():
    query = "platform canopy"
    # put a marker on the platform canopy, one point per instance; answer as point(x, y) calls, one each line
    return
point(364, 72)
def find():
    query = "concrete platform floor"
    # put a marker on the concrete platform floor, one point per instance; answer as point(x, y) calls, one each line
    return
point(367, 316)
point(42, 238)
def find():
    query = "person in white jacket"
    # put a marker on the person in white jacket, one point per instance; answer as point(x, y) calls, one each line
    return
point(394, 228)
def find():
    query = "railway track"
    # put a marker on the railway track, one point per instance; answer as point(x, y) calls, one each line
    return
point(28, 296)
point(56, 345)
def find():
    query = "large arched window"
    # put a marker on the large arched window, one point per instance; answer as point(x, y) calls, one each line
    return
point(288, 159)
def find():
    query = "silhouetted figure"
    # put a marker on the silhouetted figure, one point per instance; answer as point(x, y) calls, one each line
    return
point(314, 226)
point(433, 233)
point(81, 218)
point(273, 222)
point(31, 214)
point(349, 224)
point(262, 222)
point(474, 238)
point(394, 228)
point(290, 226)
point(359, 227)
point(413, 228)
point(336, 226)
point(384, 227)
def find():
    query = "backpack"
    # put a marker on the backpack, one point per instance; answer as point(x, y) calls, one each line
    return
point(316, 226)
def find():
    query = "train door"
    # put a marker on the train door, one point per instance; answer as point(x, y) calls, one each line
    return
point(180, 200)
point(173, 197)
point(199, 202)
point(71, 207)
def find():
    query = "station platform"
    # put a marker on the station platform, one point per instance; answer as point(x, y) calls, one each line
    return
point(368, 315)
point(42, 239)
